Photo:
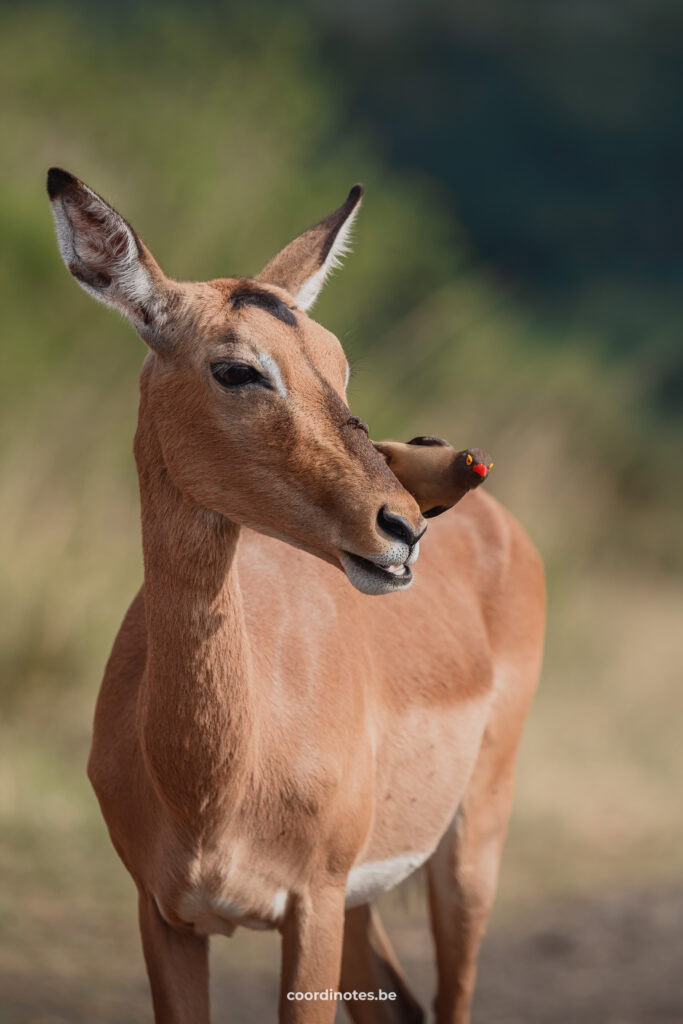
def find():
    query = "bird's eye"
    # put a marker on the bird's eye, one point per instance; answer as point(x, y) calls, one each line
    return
point(468, 460)
point(235, 375)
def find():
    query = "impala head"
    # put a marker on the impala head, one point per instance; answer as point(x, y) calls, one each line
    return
point(246, 394)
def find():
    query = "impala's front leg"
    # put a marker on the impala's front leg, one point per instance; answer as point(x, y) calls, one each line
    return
point(311, 956)
point(177, 966)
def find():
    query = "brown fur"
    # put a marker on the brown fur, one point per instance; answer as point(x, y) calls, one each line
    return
point(262, 726)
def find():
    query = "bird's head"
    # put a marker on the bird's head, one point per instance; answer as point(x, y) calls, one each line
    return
point(473, 465)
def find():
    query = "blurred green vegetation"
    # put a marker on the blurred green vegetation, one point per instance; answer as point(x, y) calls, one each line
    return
point(514, 285)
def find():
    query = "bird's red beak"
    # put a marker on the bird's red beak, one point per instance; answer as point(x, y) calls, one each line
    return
point(480, 468)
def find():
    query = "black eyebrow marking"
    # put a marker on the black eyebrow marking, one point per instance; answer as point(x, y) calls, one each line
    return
point(252, 295)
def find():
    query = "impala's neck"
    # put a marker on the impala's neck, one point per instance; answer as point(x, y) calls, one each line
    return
point(196, 701)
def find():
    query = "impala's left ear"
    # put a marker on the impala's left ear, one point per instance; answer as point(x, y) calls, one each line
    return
point(303, 266)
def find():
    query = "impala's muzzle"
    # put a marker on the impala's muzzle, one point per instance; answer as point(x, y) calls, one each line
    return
point(381, 574)
point(389, 570)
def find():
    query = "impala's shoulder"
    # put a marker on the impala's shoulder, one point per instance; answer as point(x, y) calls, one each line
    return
point(519, 557)
point(483, 524)
point(487, 509)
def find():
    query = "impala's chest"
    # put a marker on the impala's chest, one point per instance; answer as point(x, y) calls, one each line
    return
point(217, 902)
point(236, 887)
point(216, 910)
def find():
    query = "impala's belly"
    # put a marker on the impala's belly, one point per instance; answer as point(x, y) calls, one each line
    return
point(368, 880)
point(423, 767)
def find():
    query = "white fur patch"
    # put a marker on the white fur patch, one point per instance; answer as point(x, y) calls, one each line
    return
point(215, 914)
point(368, 880)
point(272, 370)
point(310, 289)
point(279, 904)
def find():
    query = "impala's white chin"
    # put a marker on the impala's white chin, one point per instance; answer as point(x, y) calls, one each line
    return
point(371, 578)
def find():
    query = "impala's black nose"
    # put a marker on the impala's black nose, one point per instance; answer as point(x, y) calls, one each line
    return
point(398, 527)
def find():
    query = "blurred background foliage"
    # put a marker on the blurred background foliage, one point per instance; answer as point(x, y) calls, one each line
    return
point(514, 284)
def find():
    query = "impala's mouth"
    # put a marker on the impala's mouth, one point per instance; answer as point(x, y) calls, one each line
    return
point(397, 570)
point(371, 578)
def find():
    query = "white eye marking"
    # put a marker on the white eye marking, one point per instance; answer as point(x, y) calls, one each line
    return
point(273, 371)
point(348, 376)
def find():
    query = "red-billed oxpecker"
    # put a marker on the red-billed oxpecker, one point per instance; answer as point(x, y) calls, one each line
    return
point(435, 473)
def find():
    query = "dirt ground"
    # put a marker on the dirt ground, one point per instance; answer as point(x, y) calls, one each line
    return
point(612, 960)
point(616, 960)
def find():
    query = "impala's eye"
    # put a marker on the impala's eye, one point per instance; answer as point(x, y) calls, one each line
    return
point(236, 375)
point(468, 460)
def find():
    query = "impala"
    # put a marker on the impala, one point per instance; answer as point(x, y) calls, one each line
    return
point(274, 744)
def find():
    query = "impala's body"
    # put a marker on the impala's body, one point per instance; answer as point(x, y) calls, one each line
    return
point(272, 743)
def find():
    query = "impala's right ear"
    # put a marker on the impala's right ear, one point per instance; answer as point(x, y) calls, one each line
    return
point(304, 265)
point(108, 259)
